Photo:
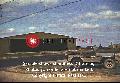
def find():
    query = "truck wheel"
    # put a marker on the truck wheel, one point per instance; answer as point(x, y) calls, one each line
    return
point(77, 62)
point(109, 63)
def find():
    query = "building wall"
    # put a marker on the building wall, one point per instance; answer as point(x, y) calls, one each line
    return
point(4, 45)
point(19, 45)
point(71, 43)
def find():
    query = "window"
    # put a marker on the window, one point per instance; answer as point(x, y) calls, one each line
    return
point(43, 40)
point(61, 40)
point(47, 41)
point(64, 41)
point(51, 40)
point(73, 41)
point(69, 40)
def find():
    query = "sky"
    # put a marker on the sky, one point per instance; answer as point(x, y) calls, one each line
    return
point(98, 20)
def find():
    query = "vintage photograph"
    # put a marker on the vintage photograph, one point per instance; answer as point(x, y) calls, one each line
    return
point(59, 40)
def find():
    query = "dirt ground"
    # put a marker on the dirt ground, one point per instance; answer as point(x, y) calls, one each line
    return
point(12, 71)
point(17, 77)
point(14, 76)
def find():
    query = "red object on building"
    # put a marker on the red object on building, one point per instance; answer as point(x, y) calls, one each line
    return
point(32, 40)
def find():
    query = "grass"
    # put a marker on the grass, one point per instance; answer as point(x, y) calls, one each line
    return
point(27, 54)
point(7, 55)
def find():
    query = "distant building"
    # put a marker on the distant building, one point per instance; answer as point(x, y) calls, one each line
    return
point(117, 46)
point(49, 42)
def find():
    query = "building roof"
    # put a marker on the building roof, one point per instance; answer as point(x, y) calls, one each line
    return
point(42, 35)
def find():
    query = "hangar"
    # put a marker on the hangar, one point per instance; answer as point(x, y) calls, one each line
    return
point(48, 42)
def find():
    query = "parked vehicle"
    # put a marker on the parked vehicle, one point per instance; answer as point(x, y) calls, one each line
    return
point(107, 58)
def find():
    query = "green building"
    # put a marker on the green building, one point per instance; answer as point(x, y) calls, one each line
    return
point(49, 42)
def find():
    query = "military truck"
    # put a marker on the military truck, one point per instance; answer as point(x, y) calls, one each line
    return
point(108, 58)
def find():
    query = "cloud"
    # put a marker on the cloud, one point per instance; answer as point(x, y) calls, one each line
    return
point(109, 14)
point(49, 2)
point(11, 29)
point(84, 21)
point(26, 2)
point(85, 25)
point(106, 14)
point(90, 19)
point(32, 28)
point(5, 32)
point(90, 14)
point(4, 1)
point(8, 9)
point(103, 7)
point(20, 1)
point(52, 25)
